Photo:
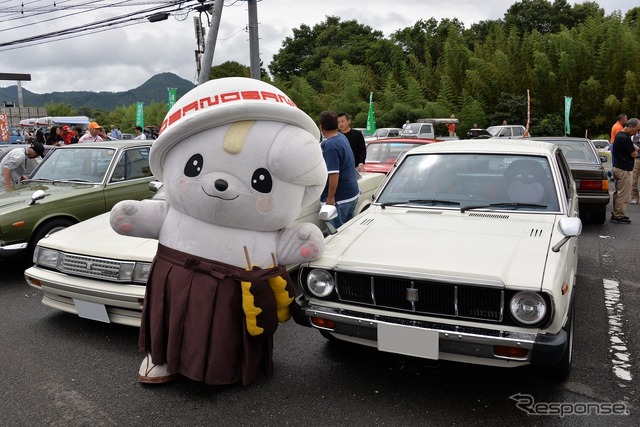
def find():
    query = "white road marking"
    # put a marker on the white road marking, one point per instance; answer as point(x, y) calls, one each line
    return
point(619, 350)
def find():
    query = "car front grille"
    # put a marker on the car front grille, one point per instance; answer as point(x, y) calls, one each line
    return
point(106, 269)
point(424, 297)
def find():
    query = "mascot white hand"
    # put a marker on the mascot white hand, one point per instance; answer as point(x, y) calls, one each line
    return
point(238, 161)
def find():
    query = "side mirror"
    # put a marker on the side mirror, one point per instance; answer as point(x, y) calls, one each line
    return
point(37, 195)
point(570, 227)
point(327, 213)
point(154, 186)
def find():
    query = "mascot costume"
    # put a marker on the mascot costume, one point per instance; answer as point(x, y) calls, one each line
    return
point(238, 161)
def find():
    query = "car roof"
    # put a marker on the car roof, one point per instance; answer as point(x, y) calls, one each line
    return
point(402, 140)
point(110, 144)
point(489, 145)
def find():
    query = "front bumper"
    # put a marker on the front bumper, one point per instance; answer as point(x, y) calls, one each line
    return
point(123, 302)
point(441, 341)
point(13, 250)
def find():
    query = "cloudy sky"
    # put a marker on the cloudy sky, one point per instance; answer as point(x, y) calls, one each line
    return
point(124, 58)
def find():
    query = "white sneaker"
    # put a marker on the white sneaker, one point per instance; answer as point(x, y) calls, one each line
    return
point(151, 373)
point(634, 201)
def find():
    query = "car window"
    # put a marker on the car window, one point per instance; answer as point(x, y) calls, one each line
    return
point(578, 151)
point(132, 164)
point(387, 152)
point(517, 131)
point(75, 164)
point(492, 181)
point(565, 175)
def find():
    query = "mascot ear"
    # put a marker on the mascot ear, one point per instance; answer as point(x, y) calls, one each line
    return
point(296, 157)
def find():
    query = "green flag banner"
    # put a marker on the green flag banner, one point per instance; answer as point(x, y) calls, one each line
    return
point(140, 114)
point(371, 118)
point(172, 97)
point(567, 109)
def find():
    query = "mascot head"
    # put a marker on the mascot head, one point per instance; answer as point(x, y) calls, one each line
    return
point(237, 152)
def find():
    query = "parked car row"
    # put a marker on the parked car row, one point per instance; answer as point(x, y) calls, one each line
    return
point(71, 184)
point(92, 271)
point(480, 238)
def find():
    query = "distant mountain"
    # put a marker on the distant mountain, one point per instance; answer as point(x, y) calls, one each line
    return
point(153, 90)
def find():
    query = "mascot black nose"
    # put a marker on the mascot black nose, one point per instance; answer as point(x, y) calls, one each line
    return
point(221, 184)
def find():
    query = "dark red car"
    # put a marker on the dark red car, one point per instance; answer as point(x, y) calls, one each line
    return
point(382, 154)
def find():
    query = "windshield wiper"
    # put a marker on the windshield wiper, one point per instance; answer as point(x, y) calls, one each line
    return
point(503, 205)
point(421, 201)
point(38, 179)
point(434, 201)
point(71, 180)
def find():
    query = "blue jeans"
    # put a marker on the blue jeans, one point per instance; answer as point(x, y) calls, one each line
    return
point(346, 211)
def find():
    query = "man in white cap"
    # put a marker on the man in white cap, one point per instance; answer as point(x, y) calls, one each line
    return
point(96, 133)
point(14, 163)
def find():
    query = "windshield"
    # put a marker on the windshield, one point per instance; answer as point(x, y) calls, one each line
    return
point(473, 181)
point(75, 164)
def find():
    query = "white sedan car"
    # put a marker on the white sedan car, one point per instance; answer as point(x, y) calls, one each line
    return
point(468, 254)
point(90, 270)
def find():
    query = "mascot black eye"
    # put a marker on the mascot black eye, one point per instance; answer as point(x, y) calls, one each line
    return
point(194, 166)
point(261, 180)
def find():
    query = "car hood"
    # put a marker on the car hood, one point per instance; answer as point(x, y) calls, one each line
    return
point(95, 237)
point(21, 196)
point(475, 247)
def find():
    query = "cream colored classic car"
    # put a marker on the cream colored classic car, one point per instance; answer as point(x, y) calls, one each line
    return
point(90, 270)
point(468, 253)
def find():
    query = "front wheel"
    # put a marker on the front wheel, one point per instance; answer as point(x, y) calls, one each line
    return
point(562, 369)
point(45, 229)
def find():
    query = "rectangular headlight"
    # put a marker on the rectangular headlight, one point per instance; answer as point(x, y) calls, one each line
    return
point(46, 257)
point(141, 272)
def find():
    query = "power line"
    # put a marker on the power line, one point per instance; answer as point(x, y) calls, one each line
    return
point(95, 27)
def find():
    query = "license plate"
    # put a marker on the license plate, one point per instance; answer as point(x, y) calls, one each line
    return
point(408, 340)
point(91, 310)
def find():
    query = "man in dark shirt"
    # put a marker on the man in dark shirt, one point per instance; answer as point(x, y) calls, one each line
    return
point(342, 189)
point(624, 153)
point(356, 140)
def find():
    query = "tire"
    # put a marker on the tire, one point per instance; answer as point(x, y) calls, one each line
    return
point(599, 217)
point(47, 228)
point(562, 369)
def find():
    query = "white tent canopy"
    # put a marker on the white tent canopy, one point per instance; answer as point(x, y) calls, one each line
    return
point(27, 123)
point(62, 120)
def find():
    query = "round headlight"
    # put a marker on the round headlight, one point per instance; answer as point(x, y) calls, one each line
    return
point(528, 307)
point(320, 283)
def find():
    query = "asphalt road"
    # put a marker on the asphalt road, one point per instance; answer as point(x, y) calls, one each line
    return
point(59, 370)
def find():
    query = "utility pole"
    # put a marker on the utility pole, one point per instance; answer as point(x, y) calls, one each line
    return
point(254, 50)
point(210, 45)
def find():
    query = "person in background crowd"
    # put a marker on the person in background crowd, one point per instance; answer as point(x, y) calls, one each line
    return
point(617, 127)
point(341, 189)
point(452, 127)
point(355, 138)
point(66, 133)
point(96, 133)
point(139, 133)
point(635, 195)
point(14, 163)
point(404, 126)
point(115, 132)
point(54, 136)
point(77, 131)
point(623, 155)
point(40, 136)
